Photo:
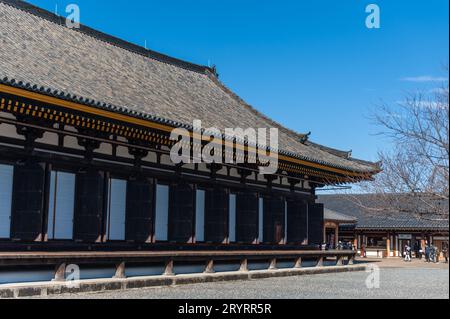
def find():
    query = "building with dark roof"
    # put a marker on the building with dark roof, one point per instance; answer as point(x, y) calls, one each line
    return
point(85, 140)
point(332, 223)
point(385, 232)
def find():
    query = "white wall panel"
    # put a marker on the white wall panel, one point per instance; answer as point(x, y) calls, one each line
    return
point(72, 142)
point(232, 219)
point(285, 221)
point(261, 220)
point(6, 184)
point(61, 206)
point(117, 206)
point(123, 152)
point(105, 148)
point(9, 130)
point(162, 213)
point(65, 203)
point(200, 216)
point(49, 138)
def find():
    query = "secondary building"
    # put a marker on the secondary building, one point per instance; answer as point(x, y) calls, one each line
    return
point(384, 233)
point(333, 221)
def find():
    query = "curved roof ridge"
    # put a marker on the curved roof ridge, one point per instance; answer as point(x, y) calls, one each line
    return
point(335, 151)
point(107, 38)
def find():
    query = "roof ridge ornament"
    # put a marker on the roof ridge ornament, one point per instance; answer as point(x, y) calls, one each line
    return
point(305, 138)
point(214, 70)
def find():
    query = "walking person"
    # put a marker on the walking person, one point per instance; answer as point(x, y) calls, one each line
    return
point(445, 252)
point(407, 253)
point(363, 251)
point(433, 254)
point(437, 255)
point(427, 253)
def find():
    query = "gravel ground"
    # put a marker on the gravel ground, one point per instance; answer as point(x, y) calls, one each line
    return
point(399, 283)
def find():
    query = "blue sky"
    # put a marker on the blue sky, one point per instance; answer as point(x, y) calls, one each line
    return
point(311, 65)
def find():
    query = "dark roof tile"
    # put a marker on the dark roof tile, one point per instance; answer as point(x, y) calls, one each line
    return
point(363, 207)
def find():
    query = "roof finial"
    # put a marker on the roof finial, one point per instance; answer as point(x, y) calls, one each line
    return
point(305, 138)
point(214, 68)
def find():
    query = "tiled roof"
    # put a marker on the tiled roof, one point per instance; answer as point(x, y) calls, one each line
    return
point(360, 207)
point(341, 218)
point(38, 52)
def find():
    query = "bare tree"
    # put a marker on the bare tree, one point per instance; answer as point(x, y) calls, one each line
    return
point(416, 171)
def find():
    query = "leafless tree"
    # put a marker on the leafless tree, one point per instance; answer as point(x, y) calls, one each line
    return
point(416, 171)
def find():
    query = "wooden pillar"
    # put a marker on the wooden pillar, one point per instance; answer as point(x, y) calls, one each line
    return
point(394, 250)
point(336, 241)
point(388, 245)
point(397, 247)
point(120, 271)
point(423, 243)
point(424, 240)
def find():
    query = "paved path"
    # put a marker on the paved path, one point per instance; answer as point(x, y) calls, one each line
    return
point(397, 280)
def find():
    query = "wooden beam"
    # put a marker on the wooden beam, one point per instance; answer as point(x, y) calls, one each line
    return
point(102, 113)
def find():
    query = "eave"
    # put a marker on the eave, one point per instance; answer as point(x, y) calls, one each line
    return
point(337, 174)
